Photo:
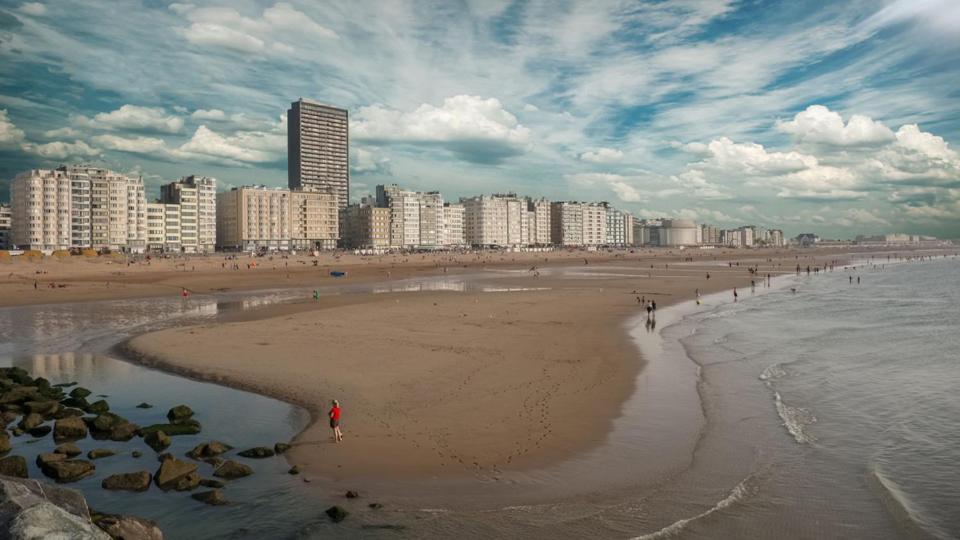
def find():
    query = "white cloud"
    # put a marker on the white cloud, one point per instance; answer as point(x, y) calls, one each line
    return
point(63, 132)
point(61, 150)
point(133, 117)
point(34, 8)
point(473, 128)
point(909, 136)
point(9, 133)
point(366, 161)
point(208, 114)
point(622, 186)
point(242, 147)
point(703, 215)
point(819, 125)
point(136, 145)
point(754, 159)
point(602, 155)
point(859, 216)
point(819, 182)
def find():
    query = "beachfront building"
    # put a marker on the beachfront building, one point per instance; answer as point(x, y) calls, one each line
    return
point(431, 219)
point(619, 228)
point(678, 232)
point(579, 223)
point(40, 210)
point(107, 209)
point(163, 227)
point(453, 232)
point(363, 226)
point(499, 220)
point(257, 218)
point(776, 238)
point(538, 219)
point(709, 235)
point(318, 149)
point(6, 220)
point(197, 198)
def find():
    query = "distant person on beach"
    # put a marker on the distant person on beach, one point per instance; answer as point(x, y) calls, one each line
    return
point(335, 421)
point(649, 309)
point(654, 307)
point(735, 295)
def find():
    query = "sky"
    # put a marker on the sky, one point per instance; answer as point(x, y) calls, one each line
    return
point(838, 118)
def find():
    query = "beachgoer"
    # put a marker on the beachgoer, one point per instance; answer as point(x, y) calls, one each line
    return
point(735, 294)
point(654, 306)
point(335, 421)
point(649, 308)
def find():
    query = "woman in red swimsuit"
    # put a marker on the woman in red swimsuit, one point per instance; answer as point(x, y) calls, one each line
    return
point(335, 421)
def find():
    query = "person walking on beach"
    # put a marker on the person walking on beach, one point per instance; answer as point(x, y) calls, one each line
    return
point(654, 308)
point(735, 295)
point(335, 421)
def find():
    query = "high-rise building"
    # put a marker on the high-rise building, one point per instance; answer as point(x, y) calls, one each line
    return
point(496, 220)
point(453, 234)
point(40, 210)
point(318, 149)
point(197, 198)
point(363, 226)
point(254, 218)
point(539, 221)
point(619, 228)
point(578, 223)
point(431, 219)
point(163, 227)
point(108, 209)
point(6, 220)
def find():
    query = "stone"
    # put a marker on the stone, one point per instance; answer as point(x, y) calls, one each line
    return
point(211, 483)
point(280, 447)
point(257, 453)
point(5, 445)
point(43, 408)
point(98, 407)
point(124, 431)
point(185, 427)
point(337, 514)
point(43, 460)
point(188, 482)
point(15, 466)
point(32, 510)
point(157, 440)
point(20, 394)
point(164, 456)
point(16, 432)
point(128, 527)
point(231, 469)
point(214, 461)
point(352, 494)
point(67, 412)
point(65, 385)
point(68, 449)
point(214, 497)
point(134, 481)
point(71, 428)
point(294, 470)
point(209, 449)
point(375, 506)
point(70, 470)
point(8, 416)
point(40, 431)
point(179, 414)
point(106, 421)
point(80, 393)
point(144, 406)
point(173, 470)
point(136, 453)
point(78, 403)
point(30, 421)
point(98, 453)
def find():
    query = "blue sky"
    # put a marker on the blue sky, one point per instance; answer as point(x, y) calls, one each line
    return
point(831, 117)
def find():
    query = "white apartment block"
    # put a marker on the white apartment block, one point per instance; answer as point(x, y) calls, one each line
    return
point(431, 219)
point(497, 220)
point(197, 198)
point(453, 219)
point(578, 223)
point(257, 218)
point(619, 228)
point(6, 220)
point(538, 217)
point(108, 209)
point(40, 210)
point(163, 227)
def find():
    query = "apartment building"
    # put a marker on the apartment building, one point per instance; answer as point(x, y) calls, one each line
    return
point(163, 227)
point(453, 231)
point(253, 218)
point(196, 196)
point(363, 226)
point(499, 220)
point(107, 209)
point(318, 149)
point(538, 218)
point(619, 228)
point(6, 222)
point(40, 203)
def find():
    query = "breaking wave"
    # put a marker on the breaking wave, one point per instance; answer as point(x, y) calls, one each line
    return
point(739, 492)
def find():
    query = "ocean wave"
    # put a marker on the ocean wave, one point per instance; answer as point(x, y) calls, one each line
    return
point(904, 511)
point(795, 419)
point(772, 373)
point(739, 492)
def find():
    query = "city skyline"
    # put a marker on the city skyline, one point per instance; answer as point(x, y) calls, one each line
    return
point(837, 121)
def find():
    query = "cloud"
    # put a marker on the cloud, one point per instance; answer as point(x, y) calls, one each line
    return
point(602, 155)
point(820, 182)
point(621, 185)
point(754, 159)
point(473, 128)
point(34, 8)
point(703, 214)
point(9, 133)
point(208, 114)
point(135, 145)
point(61, 133)
point(859, 216)
point(61, 150)
point(240, 148)
point(819, 125)
point(133, 117)
point(363, 161)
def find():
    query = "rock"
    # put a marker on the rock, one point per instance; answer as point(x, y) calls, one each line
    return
point(32, 510)
point(80, 392)
point(209, 449)
point(211, 483)
point(69, 470)
point(375, 506)
point(164, 456)
point(5, 445)
point(16, 432)
point(68, 449)
point(98, 407)
point(71, 428)
point(186, 427)
point(30, 421)
point(214, 461)
point(294, 470)
point(7, 417)
point(67, 412)
point(352, 495)
point(40, 431)
point(188, 482)
point(13, 466)
point(19, 376)
point(136, 453)
point(280, 447)
point(98, 453)
point(65, 385)
point(106, 421)
point(124, 431)
point(173, 470)
point(337, 514)
point(20, 394)
point(128, 527)
point(45, 459)
point(214, 497)
point(157, 440)
point(79, 403)
point(257, 453)
point(43, 408)
point(232, 469)
point(179, 414)
point(144, 406)
point(134, 481)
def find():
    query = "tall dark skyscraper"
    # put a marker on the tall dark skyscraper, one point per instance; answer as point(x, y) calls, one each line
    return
point(318, 157)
